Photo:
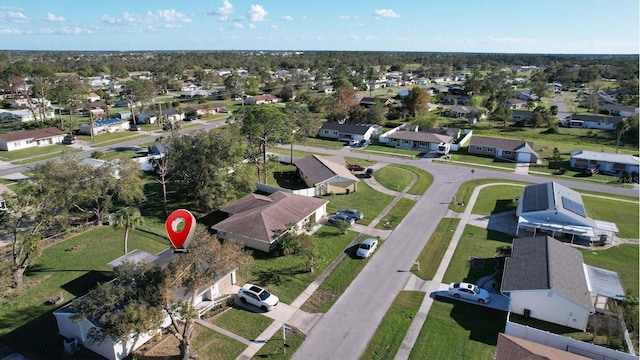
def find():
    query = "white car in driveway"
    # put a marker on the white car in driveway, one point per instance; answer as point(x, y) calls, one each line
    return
point(469, 291)
point(257, 296)
point(367, 247)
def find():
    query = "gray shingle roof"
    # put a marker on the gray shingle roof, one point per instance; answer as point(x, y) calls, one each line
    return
point(421, 136)
point(266, 217)
point(318, 169)
point(544, 263)
point(498, 143)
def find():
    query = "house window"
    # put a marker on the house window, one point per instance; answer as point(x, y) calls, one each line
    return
point(478, 148)
point(489, 149)
point(406, 141)
point(507, 152)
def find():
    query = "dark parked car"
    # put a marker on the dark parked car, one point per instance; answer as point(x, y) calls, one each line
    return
point(368, 173)
point(134, 128)
point(191, 118)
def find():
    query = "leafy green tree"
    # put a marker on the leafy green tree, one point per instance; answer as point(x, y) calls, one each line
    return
point(263, 126)
point(621, 127)
point(209, 167)
point(416, 101)
point(235, 86)
point(501, 114)
point(127, 218)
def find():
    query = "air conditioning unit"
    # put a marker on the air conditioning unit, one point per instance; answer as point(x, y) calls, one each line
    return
point(70, 345)
point(526, 313)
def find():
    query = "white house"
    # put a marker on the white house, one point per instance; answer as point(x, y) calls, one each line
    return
point(591, 121)
point(547, 280)
point(258, 221)
point(102, 126)
point(555, 210)
point(76, 333)
point(327, 175)
point(348, 132)
point(261, 99)
point(31, 138)
point(610, 163)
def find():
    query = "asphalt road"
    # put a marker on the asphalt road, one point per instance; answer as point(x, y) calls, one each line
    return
point(344, 331)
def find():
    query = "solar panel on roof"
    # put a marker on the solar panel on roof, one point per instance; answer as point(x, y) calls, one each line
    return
point(574, 207)
point(536, 198)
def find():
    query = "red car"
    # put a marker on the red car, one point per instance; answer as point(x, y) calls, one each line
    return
point(355, 167)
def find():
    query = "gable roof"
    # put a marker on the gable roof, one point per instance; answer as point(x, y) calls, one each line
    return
point(318, 169)
point(267, 217)
point(421, 136)
point(499, 143)
point(32, 134)
point(356, 129)
point(552, 196)
point(596, 119)
point(544, 263)
point(608, 157)
point(511, 347)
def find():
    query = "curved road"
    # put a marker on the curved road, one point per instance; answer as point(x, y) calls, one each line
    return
point(344, 331)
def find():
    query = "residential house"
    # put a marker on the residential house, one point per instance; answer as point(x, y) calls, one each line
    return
point(205, 299)
point(591, 121)
point(511, 347)
point(369, 101)
point(450, 99)
point(610, 163)
point(555, 210)
point(188, 87)
point(506, 149)
point(124, 115)
point(547, 280)
point(147, 117)
point(172, 115)
point(31, 138)
point(418, 140)
point(205, 109)
point(24, 102)
point(471, 113)
point(327, 89)
point(619, 110)
point(437, 89)
point(258, 221)
point(92, 97)
point(195, 94)
point(348, 132)
point(526, 94)
point(515, 104)
point(24, 115)
point(103, 126)
point(327, 175)
point(521, 115)
point(261, 99)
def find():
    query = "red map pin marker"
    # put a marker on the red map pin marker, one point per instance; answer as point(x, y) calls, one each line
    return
point(180, 236)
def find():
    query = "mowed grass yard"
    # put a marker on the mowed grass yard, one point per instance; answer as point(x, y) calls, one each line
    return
point(70, 268)
point(365, 199)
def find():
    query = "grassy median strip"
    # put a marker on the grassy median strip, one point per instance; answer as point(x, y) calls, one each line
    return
point(386, 341)
point(396, 214)
point(432, 253)
point(393, 178)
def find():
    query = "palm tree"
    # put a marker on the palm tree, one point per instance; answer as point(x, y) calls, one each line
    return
point(128, 218)
point(621, 127)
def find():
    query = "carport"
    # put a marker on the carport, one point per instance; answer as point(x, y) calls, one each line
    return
point(603, 285)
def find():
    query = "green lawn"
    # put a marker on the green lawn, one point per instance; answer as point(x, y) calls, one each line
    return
point(241, 322)
point(386, 341)
point(478, 243)
point(466, 189)
point(40, 151)
point(497, 199)
point(55, 155)
point(390, 151)
point(432, 253)
point(393, 178)
point(365, 199)
point(288, 276)
point(278, 348)
point(622, 259)
point(396, 214)
point(70, 268)
point(624, 214)
point(322, 143)
point(425, 179)
point(336, 283)
point(209, 344)
point(459, 330)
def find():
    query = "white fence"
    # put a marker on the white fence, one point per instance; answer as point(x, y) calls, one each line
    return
point(465, 140)
point(564, 343)
point(270, 189)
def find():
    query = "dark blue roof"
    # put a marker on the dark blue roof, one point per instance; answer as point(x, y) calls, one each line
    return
point(106, 122)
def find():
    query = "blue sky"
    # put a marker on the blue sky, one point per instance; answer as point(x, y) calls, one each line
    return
point(489, 26)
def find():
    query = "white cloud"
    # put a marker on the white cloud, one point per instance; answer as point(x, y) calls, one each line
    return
point(287, 18)
point(343, 17)
point(165, 16)
point(238, 25)
point(385, 13)
point(252, 26)
point(54, 18)
point(224, 11)
point(9, 31)
point(257, 13)
point(510, 40)
point(274, 27)
point(74, 30)
point(17, 17)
